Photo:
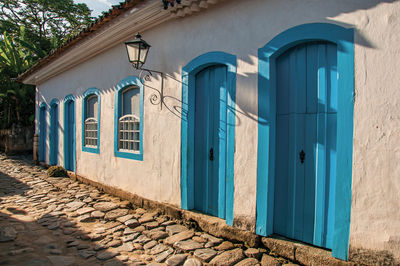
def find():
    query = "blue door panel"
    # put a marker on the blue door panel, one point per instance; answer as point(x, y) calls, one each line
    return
point(306, 124)
point(69, 144)
point(210, 114)
point(309, 181)
point(201, 143)
point(330, 178)
point(298, 175)
point(281, 180)
point(332, 76)
point(54, 134)
point(312, 78)
point(220, 132)
point(42, 133)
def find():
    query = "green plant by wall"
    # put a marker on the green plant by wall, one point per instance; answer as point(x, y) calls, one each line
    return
point(56, 171)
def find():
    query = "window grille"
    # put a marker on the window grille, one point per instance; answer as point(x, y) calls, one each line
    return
point(129, 133)
point(91, 132)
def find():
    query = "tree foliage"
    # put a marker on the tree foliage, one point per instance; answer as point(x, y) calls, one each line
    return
point(47, 22)
point(29, 30)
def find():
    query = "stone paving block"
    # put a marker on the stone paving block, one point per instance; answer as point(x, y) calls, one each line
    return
point(7, 233)
point(146, 218)
point(179, 237)
point(106, 254)
point(253, 253)
point(142, 239)
point(132, 223)
point(130, 237)
point(86, 253)
point(124, 218)
point(150, 244)
point(226, 245)
point(205, 254)
point(228, 257)
point(126, 247)
point(158, 249)
point(268, 260)
point(192, 262)
point(175, 229)
point(114, 214)
point(157, 235)
point(188, 245)
point(105, 206)
point(73, 206)
point(248, 262)
point(163, 255)
point(84, 210)
point(176, 260)
point(62, 260)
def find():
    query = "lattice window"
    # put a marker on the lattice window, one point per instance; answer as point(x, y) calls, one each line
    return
point(91, 132)
point(129, 133)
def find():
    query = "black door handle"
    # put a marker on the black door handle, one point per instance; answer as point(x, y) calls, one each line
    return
point(302, 155)
point(211, 154)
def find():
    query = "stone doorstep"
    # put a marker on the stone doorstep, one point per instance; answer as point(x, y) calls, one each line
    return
point(300, 252)
point(292, 250)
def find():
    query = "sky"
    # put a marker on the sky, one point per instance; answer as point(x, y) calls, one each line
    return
point(98, 6)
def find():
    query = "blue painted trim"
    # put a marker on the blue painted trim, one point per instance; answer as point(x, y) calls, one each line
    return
point(42, 135)
point(86, 94)
point(187, 126)
point(67, 150)
point(131, 80)
point(54, 137)
point(267, 55)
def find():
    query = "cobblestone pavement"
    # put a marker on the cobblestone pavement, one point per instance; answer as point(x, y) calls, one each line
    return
point(59, 221)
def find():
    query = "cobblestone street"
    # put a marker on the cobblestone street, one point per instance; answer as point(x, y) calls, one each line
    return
point(59, 221)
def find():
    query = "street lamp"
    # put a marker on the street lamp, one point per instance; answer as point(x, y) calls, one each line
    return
point(137, 51)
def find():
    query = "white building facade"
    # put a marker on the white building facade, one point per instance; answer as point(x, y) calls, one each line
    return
point(277, 116)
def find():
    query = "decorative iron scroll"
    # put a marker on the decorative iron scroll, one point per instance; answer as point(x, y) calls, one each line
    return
point(156, 97)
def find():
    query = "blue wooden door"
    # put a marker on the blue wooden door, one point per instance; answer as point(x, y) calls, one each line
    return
point(42, 133)
point(69, 145)
point(54, 134)
point(305, 169)
point(210, 141)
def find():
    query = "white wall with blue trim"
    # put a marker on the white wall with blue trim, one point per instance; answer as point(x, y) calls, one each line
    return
point(240, 28)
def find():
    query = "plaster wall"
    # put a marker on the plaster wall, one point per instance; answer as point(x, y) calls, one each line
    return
point(240, 28)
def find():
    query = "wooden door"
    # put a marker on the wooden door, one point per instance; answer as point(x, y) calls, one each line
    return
point(306, 143)
point(54, 134)
point(210, 141)
point(69, 144)
point(42, 133)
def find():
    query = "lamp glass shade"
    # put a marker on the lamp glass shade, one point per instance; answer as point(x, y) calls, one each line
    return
point(137, 52)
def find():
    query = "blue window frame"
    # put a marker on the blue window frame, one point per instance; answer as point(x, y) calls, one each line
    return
point(91, 120)
point(267, 55)
point(128, 119)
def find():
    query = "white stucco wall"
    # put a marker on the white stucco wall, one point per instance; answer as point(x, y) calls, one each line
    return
point(240, 28)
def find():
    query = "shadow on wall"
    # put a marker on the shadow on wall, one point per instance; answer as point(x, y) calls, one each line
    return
point(246, 105)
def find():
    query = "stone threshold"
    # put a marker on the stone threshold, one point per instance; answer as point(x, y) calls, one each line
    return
point(292, 250)
point(301, 252)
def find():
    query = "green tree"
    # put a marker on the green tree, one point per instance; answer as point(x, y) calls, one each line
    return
point(29, 30)
point(16, 55)
point(48, 23)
